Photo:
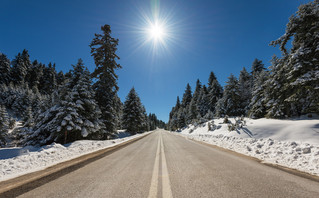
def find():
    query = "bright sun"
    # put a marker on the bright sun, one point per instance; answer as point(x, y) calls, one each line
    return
point(156, 31)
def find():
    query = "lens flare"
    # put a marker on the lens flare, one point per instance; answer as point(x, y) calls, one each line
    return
point(156, 31)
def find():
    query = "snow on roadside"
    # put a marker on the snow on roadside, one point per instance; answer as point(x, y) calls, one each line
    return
point(289, 143)
point(19, 161)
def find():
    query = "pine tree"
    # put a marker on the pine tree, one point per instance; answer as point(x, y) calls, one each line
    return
point(133, 113)
point(181, 118)
point(75, 116)
point(192, 110)
point(173, 116)
point(87, 109)
point(4, 69)
point(203, 103)
point(301, 62)
point(21, 98)
point(28, 118)
point(197, 90)
point(229, 103)
point(118, 111)
point(76, 73)
point(103, 50)
point(178, 103)
point(145, 123)
point(34, 75)
point(257, 67)
point(245, 91)
point(215, 91)
point(4, 125)
point(152, 121)
point(277, 106)
point(20, 67)
point(48, 82)
point(60, 78)
point(187, 96)
point(257, 106)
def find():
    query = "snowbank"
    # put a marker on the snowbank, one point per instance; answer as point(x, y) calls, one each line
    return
point(19, 161)
point(290, 143)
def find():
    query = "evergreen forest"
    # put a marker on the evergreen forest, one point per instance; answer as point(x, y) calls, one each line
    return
point(288, 88)
point(40, 105)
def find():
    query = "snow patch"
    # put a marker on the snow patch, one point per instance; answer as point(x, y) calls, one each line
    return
point(289, 143)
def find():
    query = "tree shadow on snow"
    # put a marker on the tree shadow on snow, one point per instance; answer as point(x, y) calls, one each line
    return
point(7, 153)
point(315, 128)
point(247, 131)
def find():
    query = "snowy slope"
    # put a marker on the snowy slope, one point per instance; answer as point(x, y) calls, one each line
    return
point(18, 161)
point(290, 143)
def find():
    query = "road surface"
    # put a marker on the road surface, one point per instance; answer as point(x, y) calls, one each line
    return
point(166, 165)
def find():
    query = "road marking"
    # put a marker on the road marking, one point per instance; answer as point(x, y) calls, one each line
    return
point(154, 183)
point(166, 186)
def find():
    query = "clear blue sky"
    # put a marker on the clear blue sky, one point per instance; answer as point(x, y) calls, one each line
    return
point(205, 35)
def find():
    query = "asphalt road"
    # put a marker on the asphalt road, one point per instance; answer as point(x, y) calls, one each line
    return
point(166, 165)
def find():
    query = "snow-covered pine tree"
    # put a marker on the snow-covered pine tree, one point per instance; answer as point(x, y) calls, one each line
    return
point(118, 108)
point(60, 78)
point(178, 103)
point(256, 68)
point(4, 125)
point(192, 110)
point(133, 113)
point(20, 67)
point(173, 116)
point(229, 103)
point(187, 96)
point(181, 118)
point(172, 122)
point(215, 91)
point(152, 121)
point(4, 119)
point(28, 117)
point(257, 106)
point(89, 123)
point(275, 90)
point(34, 75)
point(5, 69)
point(203, 103)
point(21, 97)
point(301, 62)
point(28, 122)
point(75, 116)
point(103, 50)
point(145, 124)
point(245, 91)
point(76, 73)
point(48, 82)
point(197, 90)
